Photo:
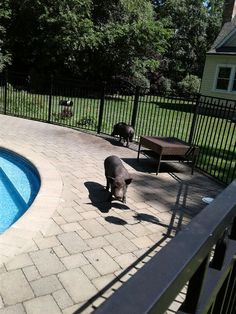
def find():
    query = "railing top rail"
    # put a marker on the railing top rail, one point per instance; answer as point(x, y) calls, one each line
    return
point(158, 282)
point(214, 100)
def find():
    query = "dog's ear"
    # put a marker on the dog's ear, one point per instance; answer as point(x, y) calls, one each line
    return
point(110, 179)
point(128, 181)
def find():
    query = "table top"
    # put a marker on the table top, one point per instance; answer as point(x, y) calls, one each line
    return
point(165, 145)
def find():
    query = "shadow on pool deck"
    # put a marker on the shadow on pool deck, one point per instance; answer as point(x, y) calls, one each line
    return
point(81, 224)
point(99, 197)
point(174, 226)
point(149, 165)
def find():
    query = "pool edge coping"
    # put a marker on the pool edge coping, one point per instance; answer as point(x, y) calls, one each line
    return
point(19, 236)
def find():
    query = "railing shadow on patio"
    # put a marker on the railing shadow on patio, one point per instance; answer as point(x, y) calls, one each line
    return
point(201, 258)
point(169, 231)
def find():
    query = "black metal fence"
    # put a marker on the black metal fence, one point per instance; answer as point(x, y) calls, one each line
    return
point(194, 273)
point(204, 121)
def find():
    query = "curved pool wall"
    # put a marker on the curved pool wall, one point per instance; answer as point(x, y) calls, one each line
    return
point(37, 219)
point(19, 185)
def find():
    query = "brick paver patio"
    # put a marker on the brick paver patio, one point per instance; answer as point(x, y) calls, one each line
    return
point(87, 244)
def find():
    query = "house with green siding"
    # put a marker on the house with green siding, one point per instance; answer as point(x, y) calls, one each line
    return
point(219, 76)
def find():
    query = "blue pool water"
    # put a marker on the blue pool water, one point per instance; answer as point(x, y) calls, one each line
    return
point(19, 185)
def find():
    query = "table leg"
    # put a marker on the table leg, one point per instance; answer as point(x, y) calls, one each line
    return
point(193, 160)
point(158, 164)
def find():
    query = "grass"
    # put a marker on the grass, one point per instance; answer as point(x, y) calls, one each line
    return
point(155, 116)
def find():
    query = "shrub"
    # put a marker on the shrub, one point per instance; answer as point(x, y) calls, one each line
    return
point(87, 121)
point(165, 85)
point(140, 80)
point(190, 84)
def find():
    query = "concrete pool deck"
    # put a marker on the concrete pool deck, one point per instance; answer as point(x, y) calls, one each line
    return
point(71, 243)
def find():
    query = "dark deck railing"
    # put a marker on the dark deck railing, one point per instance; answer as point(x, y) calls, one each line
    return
point(200, 257)
point(207, 122)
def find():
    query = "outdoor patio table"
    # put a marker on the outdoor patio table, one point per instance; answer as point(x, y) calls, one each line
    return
point(168, 148)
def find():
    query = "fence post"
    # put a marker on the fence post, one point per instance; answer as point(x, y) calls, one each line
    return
point(5, 92)
point(50, 99)
point(135, 108)
point(193, 126)
point(101, 108)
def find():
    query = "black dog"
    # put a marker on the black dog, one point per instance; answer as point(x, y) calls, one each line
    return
point(125, 131)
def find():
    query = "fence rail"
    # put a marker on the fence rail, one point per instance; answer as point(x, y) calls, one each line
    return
point(205, 121)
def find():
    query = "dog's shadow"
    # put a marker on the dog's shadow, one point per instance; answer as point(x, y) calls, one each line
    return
point(100, 197)
point(115, 141)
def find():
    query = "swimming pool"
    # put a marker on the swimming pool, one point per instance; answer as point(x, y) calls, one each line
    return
point(19, 185)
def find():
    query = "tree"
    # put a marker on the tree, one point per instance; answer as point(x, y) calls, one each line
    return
point(132, 40)
point(4, 16)
point(214, 21)
point(90, 38)
point(195, 24)
point(47, 36)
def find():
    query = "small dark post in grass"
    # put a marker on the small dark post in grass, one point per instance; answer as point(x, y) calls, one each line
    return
point(101, 108)
point(50, 99)
point(5, 92)
point(135, 108)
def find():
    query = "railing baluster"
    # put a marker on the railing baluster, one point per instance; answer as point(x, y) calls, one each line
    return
point(220, 299)
point(229, 289)
point(233, 230)
point(233, 305)
point(219, 254)
point(195, 288)
point(232, 290)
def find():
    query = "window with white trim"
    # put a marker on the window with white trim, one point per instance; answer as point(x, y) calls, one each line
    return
point(225, 78)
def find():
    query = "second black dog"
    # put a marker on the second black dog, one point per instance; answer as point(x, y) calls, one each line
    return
point(124, 131)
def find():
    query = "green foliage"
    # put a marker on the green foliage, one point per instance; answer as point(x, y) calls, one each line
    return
point(140, 80)
point(214, 21)
point(165, 85)
point(66, 113)
point(100, 39)
point(5, 57)
point(195, 24)
point(91, 38)
point(190, 84)
point(87, 121)
point(48, 36)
